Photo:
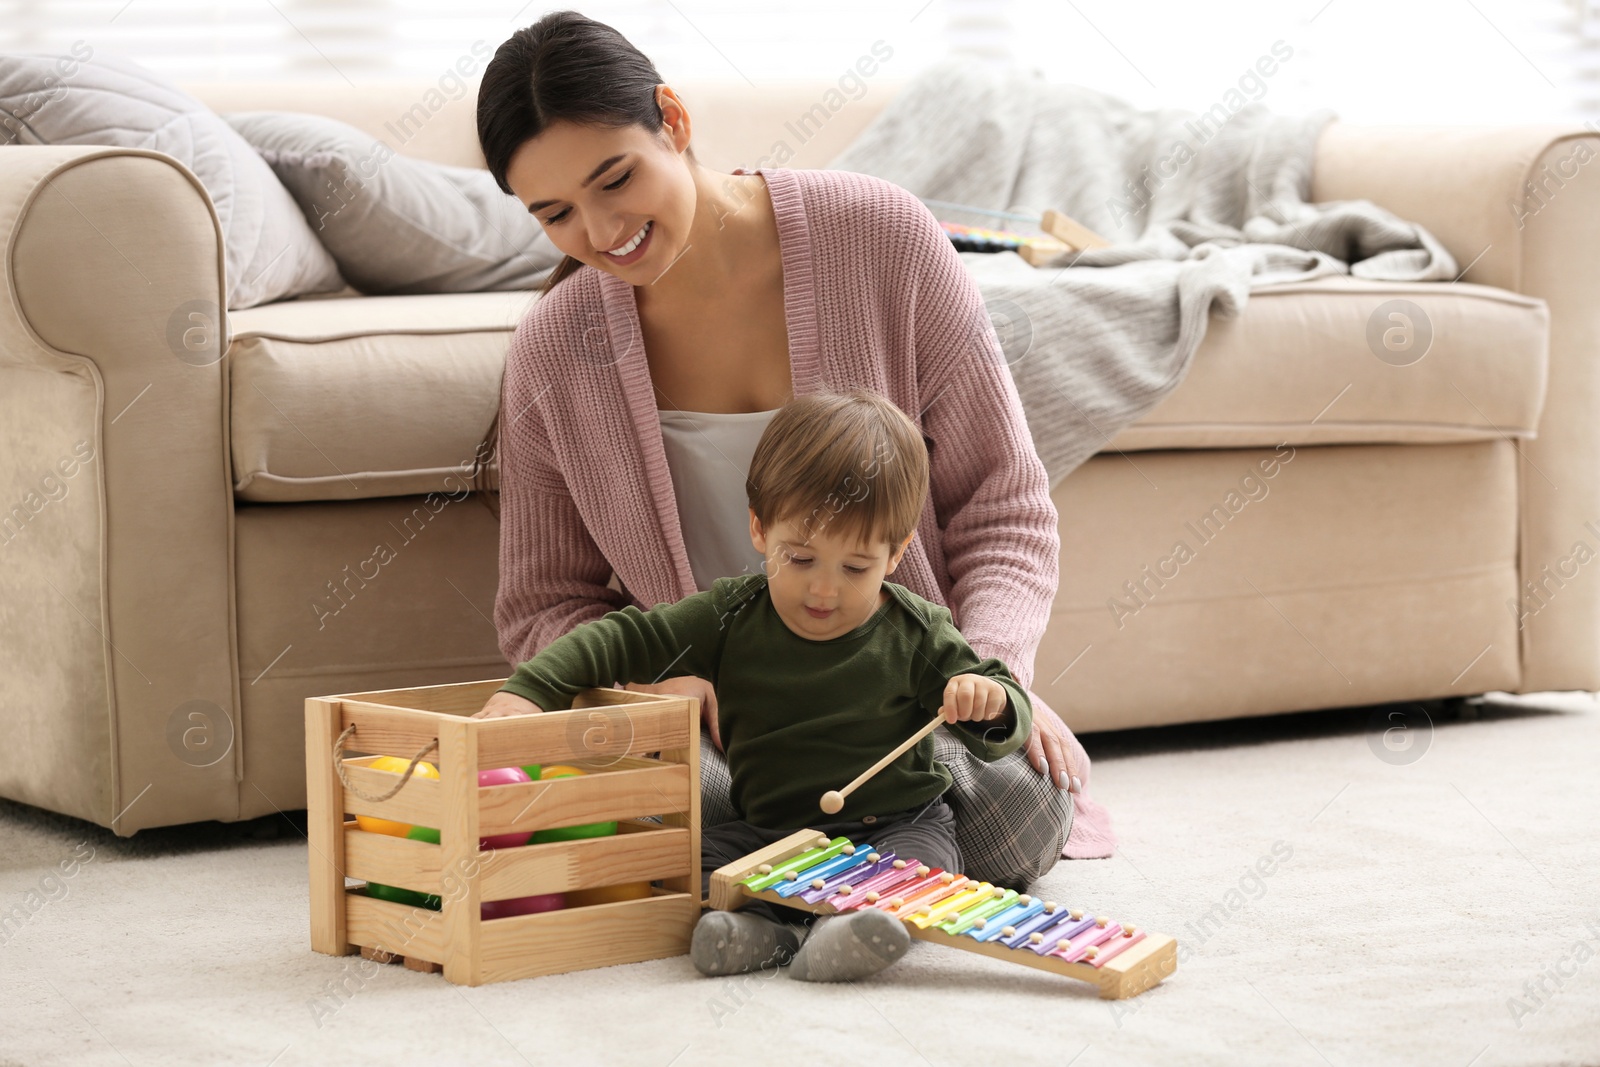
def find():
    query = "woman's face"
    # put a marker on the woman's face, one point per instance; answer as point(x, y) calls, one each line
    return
point(618, 199)
point(829, 572)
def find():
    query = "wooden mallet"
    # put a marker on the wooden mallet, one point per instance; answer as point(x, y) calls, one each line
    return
point(833, 799)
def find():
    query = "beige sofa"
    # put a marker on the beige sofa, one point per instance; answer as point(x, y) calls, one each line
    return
point(195, 519)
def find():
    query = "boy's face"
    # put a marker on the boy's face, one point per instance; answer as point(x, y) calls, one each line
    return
point(834, 574)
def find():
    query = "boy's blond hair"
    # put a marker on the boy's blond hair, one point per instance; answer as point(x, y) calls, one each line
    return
point(848, 463)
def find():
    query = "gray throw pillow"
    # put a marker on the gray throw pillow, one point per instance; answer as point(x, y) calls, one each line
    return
point(395, 224)
point(89, 99)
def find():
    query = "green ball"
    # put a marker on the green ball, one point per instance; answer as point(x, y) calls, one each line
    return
point(424, 833)
point(408, 897)
point(533, 771)
point(573, 833)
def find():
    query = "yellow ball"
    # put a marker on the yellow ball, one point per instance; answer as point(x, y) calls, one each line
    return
point(608, 894)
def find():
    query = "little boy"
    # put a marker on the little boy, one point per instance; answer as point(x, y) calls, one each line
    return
point(820, 668)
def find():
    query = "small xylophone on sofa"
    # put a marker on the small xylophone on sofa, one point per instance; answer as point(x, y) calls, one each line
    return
point(807, 870)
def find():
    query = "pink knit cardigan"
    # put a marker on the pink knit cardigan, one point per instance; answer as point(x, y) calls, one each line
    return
point(875, 296)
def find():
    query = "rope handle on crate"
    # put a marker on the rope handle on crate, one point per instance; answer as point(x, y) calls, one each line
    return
point(338, 766)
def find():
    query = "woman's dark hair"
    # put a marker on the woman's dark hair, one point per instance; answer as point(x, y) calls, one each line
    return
point(564, 68)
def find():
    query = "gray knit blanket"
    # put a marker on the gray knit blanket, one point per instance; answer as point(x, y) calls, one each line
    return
point(1200, 211)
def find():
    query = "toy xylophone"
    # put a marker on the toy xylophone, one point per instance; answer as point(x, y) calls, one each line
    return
point(979, 239)
point(809, 871)
point(1061, 233)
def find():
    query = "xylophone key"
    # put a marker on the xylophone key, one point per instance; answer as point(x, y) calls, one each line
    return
point(925, 894)
point(997, 901)
point(1086, 942)
point(853, 856)
point(1050, 914)
point(933, 912)
point(957, 908)
point(869, 892)
point(758, 882)
point(1051, 936)
point(849, 878)
point(1004, 924)
point(927, 879)
point(1126, 940)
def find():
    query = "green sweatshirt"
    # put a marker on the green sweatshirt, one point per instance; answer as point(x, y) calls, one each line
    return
point(797, 717)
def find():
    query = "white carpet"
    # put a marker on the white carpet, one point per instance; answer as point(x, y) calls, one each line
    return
point(1418, 910)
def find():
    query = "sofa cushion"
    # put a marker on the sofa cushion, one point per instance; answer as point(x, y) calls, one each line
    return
point(1302, 365)
point(398, 225)
point(382, 396)
point(107, 100)
point(369, 396)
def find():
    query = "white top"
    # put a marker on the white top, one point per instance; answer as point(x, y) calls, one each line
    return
point(709, 456)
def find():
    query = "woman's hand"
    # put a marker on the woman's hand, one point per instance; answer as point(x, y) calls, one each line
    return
point(687, 685)
point(1045, 746)
point(502, 704)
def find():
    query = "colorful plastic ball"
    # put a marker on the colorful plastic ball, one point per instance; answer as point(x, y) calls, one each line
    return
point(500, 909)
point(424, 833)
point(570, 833)
point(409, 897)
point(574, 833)
point(607, 894)
point(503, 776)
point(396, 765)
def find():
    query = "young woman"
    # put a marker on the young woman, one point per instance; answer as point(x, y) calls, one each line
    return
point(691, 305)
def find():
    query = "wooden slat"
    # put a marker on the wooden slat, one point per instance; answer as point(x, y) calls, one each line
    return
point(325, 830)
point(622, 728)
point(458, 843)
point(600, 935)
point(451, 698)
point(688, 754)
point(419, 801)
point(395, 928)
point(557, 866)
point(391, 860)
point(390, 731)
point(592, 798)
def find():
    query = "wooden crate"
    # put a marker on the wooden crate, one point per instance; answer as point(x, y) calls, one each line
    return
point(611, 733)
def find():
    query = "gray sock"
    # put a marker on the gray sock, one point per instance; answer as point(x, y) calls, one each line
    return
point(841, 948)
point(731, 942)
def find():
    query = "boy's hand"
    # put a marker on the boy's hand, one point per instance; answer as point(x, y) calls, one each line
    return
point(974, 697)
point(502, 704)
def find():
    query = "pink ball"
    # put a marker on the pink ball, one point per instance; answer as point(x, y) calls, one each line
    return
point(503, 776)
point(500, 909)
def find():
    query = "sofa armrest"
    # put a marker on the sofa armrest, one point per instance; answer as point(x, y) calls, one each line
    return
point(116, 515)
point(1519, 208)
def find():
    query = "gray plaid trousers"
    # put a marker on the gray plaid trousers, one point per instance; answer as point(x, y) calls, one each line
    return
point(1010, 821)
